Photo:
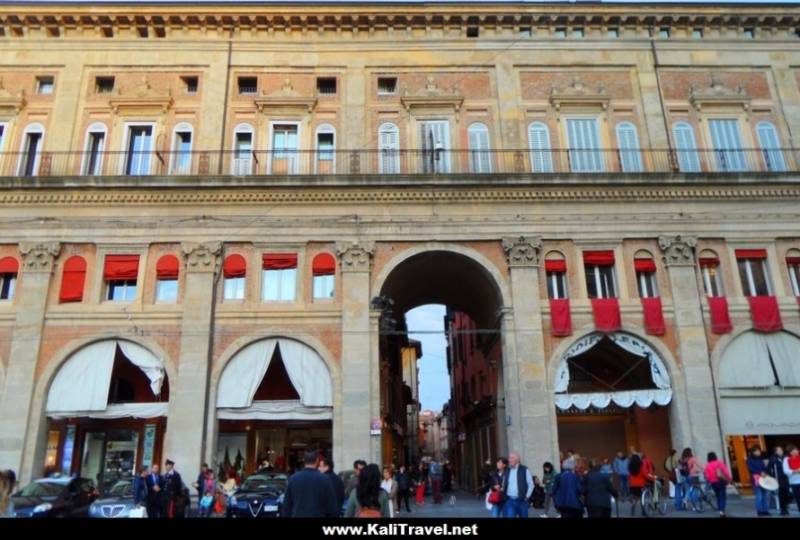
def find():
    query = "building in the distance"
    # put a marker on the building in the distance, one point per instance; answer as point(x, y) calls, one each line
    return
point(215, 215)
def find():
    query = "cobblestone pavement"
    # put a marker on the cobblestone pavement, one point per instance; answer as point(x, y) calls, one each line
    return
point(469, 506)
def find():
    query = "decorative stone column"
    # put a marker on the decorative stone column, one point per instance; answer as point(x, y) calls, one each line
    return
point(532, 432)
point(694, 420)
point(189, 408)
point(360, 368)
point(23, 443)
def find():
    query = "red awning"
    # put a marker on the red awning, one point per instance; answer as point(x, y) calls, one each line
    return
point(600, 258)
point(792, 260)
point(653, 316)
point(751, 253)
point(324, 265)
point(720, 318)
point(644, 265)
point(119, 267)
point(560, 319)
point(72, 280)
point(168, 267)
point(234, 267)
point(765, 314)
point(555, 266)
point(9, 265)
point(279, 261)
point(709, 261)
point(606, 314)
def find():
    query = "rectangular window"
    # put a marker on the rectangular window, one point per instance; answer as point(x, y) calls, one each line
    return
point(7, 285)
point(326, 86)
point(577, 33)
point(137, 157)
point(190, 84)
point(584, 145)
point(525, 32)
point(182, 163)
point(279, 285)
point(697, 33)
point(29, 161)
point(612, 33)
point(285, 159)
point(234, 288)
point(794, 275)
point(754, 275)
point(727, 145)
point(560, 33)
point(473, 32)
point(103, 85)
point(167, 290)
point(749, 33)
point(556, 285)
point(387, 86)
point(323, 286)
point(45, 85)
point(711, 279)
point(2, 135)
point(121, 290)
point(600, 281)
point(94, 156)
point(663, 33)
point(646, 282)
point(248, 85)
point(434, 144)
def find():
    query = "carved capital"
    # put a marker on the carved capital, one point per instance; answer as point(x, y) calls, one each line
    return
point(355, 256)
point(39, 257)
point(202, 257)
point(678, 250)
point(522, 250)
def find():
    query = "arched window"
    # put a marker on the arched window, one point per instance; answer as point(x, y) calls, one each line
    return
point(181, 155)
point(167, 272)
point(645, 267)
point(480, 159)
point(94, 149)
point(686, 147)
point(555, 266)
point(234, 272)
point(242, 162)
point(73, 279)
point(389, 148)
point(709, 267)
point(539, 144)
point(325, 139)
point(9, 267)
point(323, 270)
point(770, 145)
point(793, 266)
point(630, 157)
point(31, 150)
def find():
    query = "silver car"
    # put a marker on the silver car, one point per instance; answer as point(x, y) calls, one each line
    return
point(117, 502)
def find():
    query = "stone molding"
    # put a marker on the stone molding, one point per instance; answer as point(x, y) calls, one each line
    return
point(202, 257)
point(39, 257)
point(355, 256)
point(522, 251)
point(678, 250)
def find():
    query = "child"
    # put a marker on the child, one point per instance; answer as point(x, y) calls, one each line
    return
point(205, 504)
point(538, 495)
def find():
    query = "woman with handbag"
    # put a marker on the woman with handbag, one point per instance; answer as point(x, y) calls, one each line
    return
point(718, 475)
point(496, 495)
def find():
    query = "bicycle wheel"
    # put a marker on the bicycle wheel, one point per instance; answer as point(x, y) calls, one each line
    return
point(697, 500)
point(711, 497)
point(647, 502)
point(663, 506)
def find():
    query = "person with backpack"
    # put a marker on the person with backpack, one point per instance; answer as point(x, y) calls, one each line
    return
point(368, 500)
point(690, 471)
point(403, 488)
point(718, 475)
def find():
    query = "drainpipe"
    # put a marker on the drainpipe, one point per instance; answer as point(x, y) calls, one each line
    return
point(656, 66)
point(225, 103)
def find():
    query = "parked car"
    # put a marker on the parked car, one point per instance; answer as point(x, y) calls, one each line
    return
point(261, 495)
point(55, 497)
point(117, 502)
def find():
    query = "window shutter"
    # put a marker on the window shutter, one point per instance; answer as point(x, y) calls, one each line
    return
point(234, 267)
point(72, 280)
point(389, 149)
point(323, 265)
point(727, 145)
point(279, 261)
point(121, 267)
point(539, 142)
point(9, 265)
point(480, 159)
point(688, 160)
point(628, 142)
point(167, 267)
point(584, 144)
point(770, 147)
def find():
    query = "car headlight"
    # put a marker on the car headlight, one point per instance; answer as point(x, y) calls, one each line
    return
point(45, 507)
point(233, 500)
point(280, 499)
point(93, 510)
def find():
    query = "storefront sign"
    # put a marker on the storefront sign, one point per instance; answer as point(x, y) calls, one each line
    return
point(375, 426)
point(760, 416)
point(149, 444)
point(69, 449)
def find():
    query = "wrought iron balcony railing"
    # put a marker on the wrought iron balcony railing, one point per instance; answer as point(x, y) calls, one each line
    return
point(397, 162)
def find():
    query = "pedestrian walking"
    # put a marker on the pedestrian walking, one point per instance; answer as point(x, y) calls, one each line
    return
point(599, 490)
point(325, 466)
point(690, 471)
point(420, 479)
point(757, 466)
point(638, 478)
point(309, 493)
point(518, 488)
point(791, 467)
point(368, 500)
point(620, 467)
point(358, 465)
point(435, 475)
point(199, 483)
point(775, 468)
point(389, 485)
point(718, 476)
point(548, 477)
point(497, 488)
point(567, 492)
point(447, 477)
point(404, 484)
point(155, 486)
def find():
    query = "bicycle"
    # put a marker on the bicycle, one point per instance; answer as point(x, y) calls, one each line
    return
point(697, 497)
point(653, 500)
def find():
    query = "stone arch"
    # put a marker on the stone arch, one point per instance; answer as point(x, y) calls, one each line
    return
point(724, 342)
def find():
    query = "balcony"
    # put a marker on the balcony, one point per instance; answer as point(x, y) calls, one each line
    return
point(329, 162)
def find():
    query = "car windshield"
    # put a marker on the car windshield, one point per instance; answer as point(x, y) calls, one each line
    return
point(261, 483)
point(123, 488)
point(42, 489)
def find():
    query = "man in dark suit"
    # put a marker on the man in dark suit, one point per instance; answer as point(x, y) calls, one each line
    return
point(155, 486)
point(173, 499)
point(310, 493)
point(598, 490)
point(326, 468)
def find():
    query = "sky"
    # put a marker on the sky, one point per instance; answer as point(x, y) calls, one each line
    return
point(434, 382)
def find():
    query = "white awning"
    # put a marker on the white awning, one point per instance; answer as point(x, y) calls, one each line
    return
point(747, 415)
point(119, 410)
point(82, 383)
point(746, 361)
point(642, 398)
point(276, 410)
point(306, 370)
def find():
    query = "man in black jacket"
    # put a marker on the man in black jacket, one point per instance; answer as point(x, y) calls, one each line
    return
point(776, 471)
point(173, 496)
point(155, 487)
point(326, 468)
point(599, 490)
point(309, 493)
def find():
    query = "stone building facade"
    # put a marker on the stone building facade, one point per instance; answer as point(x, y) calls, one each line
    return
point(217, 194)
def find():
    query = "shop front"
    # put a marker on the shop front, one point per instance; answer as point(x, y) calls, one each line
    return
point(759, 396)
point(106, 410)
point(612, 392)
point(274, 402)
